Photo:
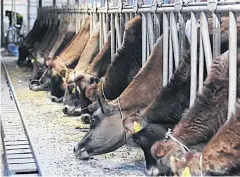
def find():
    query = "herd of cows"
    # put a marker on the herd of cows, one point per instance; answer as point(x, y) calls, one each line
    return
point(123, 101)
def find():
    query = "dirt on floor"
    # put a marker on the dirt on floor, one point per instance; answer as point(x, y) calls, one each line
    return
point(54, 135)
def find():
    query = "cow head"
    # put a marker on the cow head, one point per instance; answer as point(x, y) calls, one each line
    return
point(57, 72)
point(144, 134)
point(162, 151)
point(105, 122)
point(187, 165)
point(23, 51)
point(77, 103)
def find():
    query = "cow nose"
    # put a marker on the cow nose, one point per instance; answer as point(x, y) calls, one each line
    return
point(65, 110)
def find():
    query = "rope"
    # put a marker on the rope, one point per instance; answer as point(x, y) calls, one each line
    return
point(120, 109)
point(103, 92)
point(183, 147)
point(43, 75)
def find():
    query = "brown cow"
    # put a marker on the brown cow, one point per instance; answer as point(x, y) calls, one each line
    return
point(107, 133)
point(221, 156)
point(68, 58)
point(97, 69)
point(89, 53)
point(205, 117)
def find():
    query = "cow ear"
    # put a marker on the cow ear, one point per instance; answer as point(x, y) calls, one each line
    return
point(133, 124)
point(50, 64)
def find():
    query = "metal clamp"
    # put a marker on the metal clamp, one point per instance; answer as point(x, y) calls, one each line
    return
point(212, 4)
point(154, 6)
point(178, 5)
point(120, 7)
point(137, 4)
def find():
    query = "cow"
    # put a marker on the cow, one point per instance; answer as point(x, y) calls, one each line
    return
point(40, 79)
point(35, 35)
point(87, 57)
point(106, 131)
point(198, 124)
point(219, 157)
point(67, 59)
point(126, 63)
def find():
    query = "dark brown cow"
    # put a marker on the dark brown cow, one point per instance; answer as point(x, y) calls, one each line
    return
point(68, 58)
point(205, 117)
point(221, 156)
point(107, 133)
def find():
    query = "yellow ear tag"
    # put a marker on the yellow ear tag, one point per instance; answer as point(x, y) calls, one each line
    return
point(73, 90)
point(186, 172)
point(136, 127)
point(38, 60)
point(32, 60)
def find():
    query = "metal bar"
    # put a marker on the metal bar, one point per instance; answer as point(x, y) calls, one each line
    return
point(170, 71)
point(106, 26)
point(144, 38)
point(193, 89)
point(151, 35)
point(119, 39)
point(91, 24)
point(182, 35)
point(157, 26)
point(201, 64)
point(232, 63)
point(174, 37)
point(101, 30)
point(206, 40)
point(165, 49)
point(112, 35)
point(216, 34)
point(126, 18)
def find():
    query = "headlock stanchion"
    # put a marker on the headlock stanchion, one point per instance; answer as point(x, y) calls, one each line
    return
point(175, 22)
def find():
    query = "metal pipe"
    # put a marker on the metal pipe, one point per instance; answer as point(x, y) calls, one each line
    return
point(174, 37)
point(216, 34)
point(232, 63)
point(165, 49)
point(151, 35)
point(157, 26)
point(193, 88)
point(206, 40)
point(126, 18)
point(119, 39)
point(106, 26)
point(112, 35)
point(170, 71)
point(101, 30)
point(201, 64)
point(144, 38)
point(182, 35)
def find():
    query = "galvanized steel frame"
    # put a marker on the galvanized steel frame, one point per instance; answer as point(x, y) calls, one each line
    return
point(173, 16)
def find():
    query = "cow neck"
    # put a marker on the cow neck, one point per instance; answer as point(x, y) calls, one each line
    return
point(75, 49)
point(126, 60)
point(89, 53)
point(101, 62)
point(144, 87)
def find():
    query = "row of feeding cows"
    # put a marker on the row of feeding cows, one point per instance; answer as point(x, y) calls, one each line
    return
point(123, 100)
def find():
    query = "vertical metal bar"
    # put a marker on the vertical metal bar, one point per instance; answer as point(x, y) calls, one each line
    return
point(106, 27)
point(201, 64)
point(91, 24)
point(216, 34)
point(112, 35)
point(151, 35)
point(206, 40)
point(232, 63)
point(174, 36)
point(156, 27)
point(170, 71)
point(119, 38)
point(131, 16)
point(121, 23)
point(101, 30)
point(126, 18)
point(165, 49)
point(144, 38)
point(193, 89)
point(181, 33)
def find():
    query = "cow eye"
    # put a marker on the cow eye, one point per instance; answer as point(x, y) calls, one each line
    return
point(92, 80)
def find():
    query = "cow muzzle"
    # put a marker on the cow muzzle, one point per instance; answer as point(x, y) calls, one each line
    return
point(81, 154)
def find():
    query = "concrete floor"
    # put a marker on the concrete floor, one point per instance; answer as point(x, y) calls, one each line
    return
point(54, 136)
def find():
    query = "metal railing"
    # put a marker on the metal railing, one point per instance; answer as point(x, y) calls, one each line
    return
point(167, 19)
